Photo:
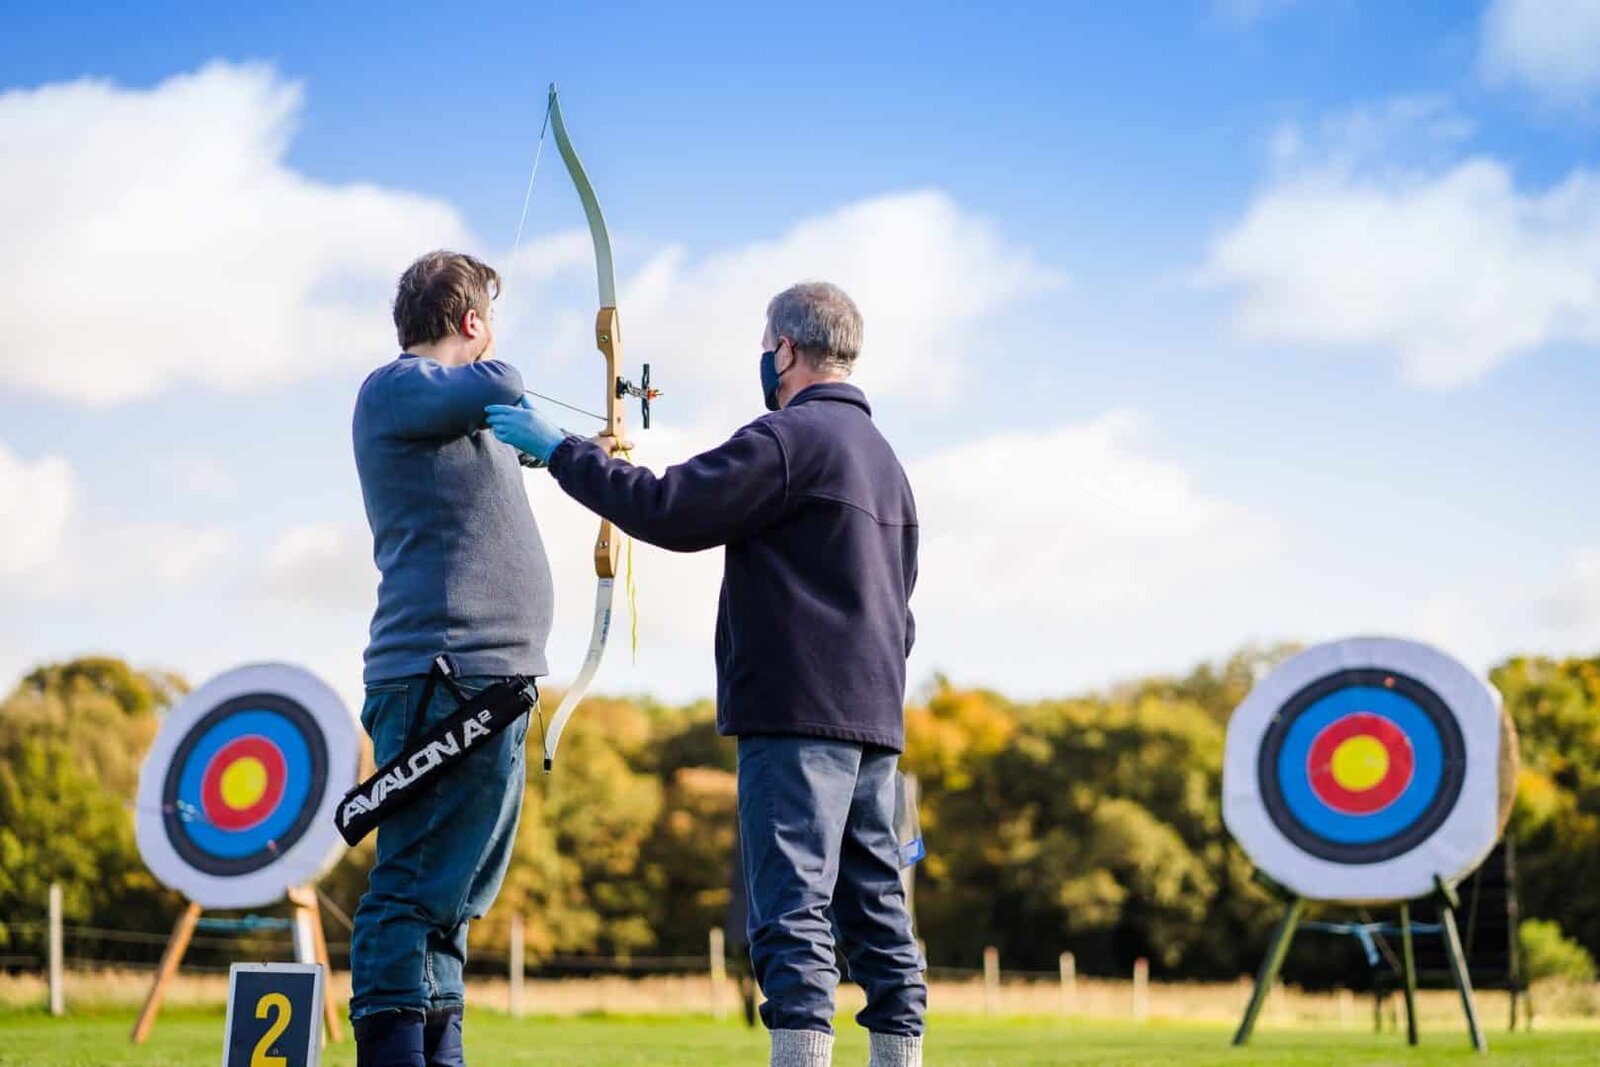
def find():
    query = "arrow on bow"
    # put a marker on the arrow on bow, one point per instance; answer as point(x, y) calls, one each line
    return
point(608, 339)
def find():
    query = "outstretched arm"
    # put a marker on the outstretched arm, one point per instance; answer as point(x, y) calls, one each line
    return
point(717, 497)
point(439, 401)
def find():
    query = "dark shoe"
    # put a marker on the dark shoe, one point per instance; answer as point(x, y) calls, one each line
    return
point(390, 1039)
point(441, 1039)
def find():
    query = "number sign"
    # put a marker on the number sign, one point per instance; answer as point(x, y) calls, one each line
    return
point(274, 1015)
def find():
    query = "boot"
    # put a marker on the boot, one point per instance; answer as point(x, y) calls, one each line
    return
point(441, 1038)
point(389, 1039)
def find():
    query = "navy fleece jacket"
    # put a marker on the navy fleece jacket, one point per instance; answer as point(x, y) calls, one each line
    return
point(819, 536)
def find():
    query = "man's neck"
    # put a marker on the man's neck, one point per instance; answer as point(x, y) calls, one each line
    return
point(452, 351)
point(802, 378)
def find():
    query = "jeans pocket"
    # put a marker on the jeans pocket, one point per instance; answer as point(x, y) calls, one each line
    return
point(386, 716)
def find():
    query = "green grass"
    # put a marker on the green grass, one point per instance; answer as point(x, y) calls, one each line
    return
point(185, 1037)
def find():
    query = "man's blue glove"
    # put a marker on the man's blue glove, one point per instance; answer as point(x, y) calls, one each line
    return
point(523, 428)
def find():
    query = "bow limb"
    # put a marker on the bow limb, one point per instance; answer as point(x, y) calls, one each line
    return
point(608, 339)
point(603, 597)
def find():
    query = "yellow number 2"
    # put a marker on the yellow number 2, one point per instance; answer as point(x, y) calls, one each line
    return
point(278, 1004)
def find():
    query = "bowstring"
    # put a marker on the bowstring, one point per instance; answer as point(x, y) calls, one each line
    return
point(527, 197)
point(569, 407)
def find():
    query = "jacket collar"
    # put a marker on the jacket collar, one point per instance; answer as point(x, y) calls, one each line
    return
point(841, 391)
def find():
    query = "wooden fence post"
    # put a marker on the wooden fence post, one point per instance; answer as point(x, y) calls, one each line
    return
point(991, 980)
point(719, 971)
point(517, 968)
point(58, 996)
point(1069, 983)
point(1141, 989)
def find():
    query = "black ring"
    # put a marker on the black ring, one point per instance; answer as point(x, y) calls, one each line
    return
point(177, 826)
point(1452, 773)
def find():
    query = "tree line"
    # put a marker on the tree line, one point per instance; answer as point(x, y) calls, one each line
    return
point(1090, 823)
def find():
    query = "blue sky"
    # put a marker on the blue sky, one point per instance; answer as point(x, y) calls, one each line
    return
point(1196, 324)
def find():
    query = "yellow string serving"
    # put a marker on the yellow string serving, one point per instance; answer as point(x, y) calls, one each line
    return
point(633, 605)
point(633, 590)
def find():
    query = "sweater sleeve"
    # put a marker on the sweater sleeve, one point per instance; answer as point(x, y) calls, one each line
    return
point(715, 498)
point(438, 401)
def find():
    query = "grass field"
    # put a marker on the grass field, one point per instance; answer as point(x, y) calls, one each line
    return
point(193, 1037)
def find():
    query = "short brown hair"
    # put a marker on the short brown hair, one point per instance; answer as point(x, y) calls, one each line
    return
point(436, 291)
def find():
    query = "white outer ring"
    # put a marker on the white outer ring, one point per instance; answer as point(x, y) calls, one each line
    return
point(1452, 852)
point(317, 848)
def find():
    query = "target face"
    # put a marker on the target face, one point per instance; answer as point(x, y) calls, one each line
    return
point(237, 793)
point(1361, 769)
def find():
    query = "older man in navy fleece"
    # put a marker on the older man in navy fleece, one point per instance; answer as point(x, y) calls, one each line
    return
point(819, 534)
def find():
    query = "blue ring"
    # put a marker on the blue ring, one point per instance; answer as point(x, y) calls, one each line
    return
point(1436, 783)
point(1294, 766)
point(234, 844)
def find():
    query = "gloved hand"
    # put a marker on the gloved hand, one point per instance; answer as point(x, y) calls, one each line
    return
point(525, 429)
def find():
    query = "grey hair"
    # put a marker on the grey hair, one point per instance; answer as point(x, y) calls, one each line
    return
point(823, 323)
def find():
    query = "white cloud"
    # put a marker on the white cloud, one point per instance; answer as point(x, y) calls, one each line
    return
point(168, 241)
point(1068, 527)
point(1549, 46)
point(52, 545)
point(1573, 607)
point(156, 236)
point(108, 555)
point(322, 565)
point(1462, 625)
point(1450, 266)
point(925, 274)
point(1556, 614)
point(36, 502)
point(198, 476)
point(156, 555)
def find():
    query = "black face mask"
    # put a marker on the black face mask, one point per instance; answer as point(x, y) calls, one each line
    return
point(770, 376)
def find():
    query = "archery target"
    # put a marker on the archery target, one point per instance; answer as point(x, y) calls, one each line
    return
point(1360, 769)
point(237, 794)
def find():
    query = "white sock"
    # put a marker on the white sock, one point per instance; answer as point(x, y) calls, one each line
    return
point(896, 1050)
point(802, 1048)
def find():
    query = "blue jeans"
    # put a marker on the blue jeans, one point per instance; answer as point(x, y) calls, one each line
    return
point(816, 822)
point(440, 860)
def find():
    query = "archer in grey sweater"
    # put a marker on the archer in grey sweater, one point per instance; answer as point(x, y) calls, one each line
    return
point(463, 568)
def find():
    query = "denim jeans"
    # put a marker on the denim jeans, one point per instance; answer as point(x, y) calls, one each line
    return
point(816, 823)
point(440, 860)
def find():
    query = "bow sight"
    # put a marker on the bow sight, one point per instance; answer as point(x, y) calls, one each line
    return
point(642, 392)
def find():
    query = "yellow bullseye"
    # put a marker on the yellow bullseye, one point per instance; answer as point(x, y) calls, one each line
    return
point(1359, 763)
point(245, 781)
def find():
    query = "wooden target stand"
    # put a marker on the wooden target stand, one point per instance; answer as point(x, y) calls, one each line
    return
point(310, 946)
point(1448, 902)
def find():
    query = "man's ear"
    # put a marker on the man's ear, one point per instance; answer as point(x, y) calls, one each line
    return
point(795, 355)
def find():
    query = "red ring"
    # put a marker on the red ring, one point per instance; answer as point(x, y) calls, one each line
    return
point(1402, 764)
point(218, 813)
